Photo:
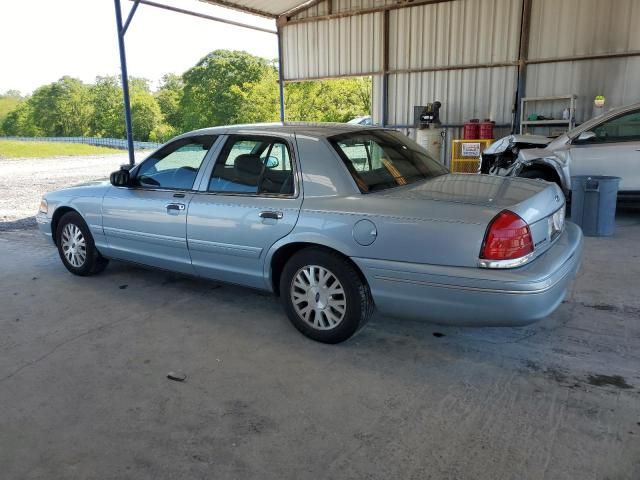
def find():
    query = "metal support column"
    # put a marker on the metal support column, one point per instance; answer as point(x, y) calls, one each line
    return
point(523, 55)
point(125, 77)
point(280, 67)
point(385, 69)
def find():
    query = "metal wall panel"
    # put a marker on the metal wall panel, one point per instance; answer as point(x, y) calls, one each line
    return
point(583, 27)
point(349, 5)
point(376, 99)
point(471, 32)
point(473, 93)
point(333, 48)
point(314, 11)
point(463, 32)
point(616, 78)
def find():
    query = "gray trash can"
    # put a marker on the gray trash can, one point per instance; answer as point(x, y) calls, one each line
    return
point(593, 204)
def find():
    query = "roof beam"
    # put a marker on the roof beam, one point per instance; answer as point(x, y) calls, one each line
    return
point(365, 11)
point(207, 17)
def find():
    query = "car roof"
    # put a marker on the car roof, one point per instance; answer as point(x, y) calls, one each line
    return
point(317, 130)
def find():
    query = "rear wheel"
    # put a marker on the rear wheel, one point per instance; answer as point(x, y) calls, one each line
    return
point(324, 296)
point(76, 247)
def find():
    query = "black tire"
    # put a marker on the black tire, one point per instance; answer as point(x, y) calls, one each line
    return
point(93, 262)
point(357, 296)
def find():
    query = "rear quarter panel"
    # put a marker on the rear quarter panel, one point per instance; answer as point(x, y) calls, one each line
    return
point(418, 232)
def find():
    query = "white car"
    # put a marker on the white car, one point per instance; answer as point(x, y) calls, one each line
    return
point(605, 145)
point(366, 120)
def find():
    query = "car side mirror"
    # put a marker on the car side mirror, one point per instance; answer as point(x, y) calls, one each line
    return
point(585, 136)
point(272, 162)
point(121, 178)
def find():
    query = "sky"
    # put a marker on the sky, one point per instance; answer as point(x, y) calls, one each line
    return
point(43, 40)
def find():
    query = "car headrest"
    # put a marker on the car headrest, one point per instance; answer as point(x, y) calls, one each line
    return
point(248, 164)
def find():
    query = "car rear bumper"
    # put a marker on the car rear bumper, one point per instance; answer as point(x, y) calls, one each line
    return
point(475, 296)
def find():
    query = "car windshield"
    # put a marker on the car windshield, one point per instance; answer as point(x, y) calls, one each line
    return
point(382, 159)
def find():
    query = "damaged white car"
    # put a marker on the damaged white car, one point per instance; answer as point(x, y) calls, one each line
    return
point(605, 145)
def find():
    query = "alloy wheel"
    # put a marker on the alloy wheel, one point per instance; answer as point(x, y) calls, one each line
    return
point(318, 297)
point(74, 245)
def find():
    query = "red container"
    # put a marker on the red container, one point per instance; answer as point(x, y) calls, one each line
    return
point(486, 129)
point(472, 129)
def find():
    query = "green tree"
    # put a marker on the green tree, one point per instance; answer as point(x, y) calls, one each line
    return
point(108, 114)
point(169, 96)
point(328, 100)
point(108, 108)
point(260, 99)
point(62, 108)
point(19, 122)
point(209, 97)
point(9, 101)
point(145, 113)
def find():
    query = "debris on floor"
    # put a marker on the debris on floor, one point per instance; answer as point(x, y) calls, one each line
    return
point(177, 376)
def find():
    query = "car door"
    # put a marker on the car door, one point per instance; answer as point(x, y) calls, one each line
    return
point(614, 149)
point(249, 198)
point(147, 221)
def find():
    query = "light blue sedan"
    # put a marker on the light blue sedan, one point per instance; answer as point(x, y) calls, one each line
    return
point(333, 219)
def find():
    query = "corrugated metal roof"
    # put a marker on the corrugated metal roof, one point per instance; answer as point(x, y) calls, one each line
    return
point(267, 8)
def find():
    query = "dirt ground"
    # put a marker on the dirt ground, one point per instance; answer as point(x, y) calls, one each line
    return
point(24, 180)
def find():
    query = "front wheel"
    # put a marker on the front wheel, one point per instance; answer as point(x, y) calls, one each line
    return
point(76, 247)
point(324, 296)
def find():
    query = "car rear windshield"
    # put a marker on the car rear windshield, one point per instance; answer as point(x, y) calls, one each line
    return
point(382, 159)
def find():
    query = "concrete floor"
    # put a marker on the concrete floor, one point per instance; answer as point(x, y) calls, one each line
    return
point(84, 390)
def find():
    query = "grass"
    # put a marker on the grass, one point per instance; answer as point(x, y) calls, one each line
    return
point(17, 149)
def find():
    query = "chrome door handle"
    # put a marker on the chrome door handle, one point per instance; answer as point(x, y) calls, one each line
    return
point(270, 214)
point(175, 206)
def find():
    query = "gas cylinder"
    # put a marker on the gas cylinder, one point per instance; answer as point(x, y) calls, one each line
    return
point(431, 139)
point(486, 129)
point(472, 129)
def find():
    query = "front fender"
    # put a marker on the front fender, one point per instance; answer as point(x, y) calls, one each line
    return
point(559, 166)
point(87, 202)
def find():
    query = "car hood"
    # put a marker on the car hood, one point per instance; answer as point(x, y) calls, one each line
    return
point(533, 153)
point(481, 190)
point(88, 185)
point(503, 143)
point(96, 188)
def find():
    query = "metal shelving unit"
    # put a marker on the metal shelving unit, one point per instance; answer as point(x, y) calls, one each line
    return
point(570, 104)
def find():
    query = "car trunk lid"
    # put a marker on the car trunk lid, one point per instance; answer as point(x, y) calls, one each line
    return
point(535, 201)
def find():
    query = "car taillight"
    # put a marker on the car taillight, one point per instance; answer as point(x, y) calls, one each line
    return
point(508, 238)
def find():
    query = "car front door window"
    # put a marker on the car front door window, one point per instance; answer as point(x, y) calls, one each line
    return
point(176, 166)
point(625, 128)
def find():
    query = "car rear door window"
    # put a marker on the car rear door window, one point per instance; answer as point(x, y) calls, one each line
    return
point(384, 159)
point(253, 165)
point(175, 166)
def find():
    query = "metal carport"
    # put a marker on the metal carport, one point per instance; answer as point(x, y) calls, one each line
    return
point(478, 57)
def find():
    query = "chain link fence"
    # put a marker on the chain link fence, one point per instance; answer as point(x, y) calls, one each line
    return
point(100, 142)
